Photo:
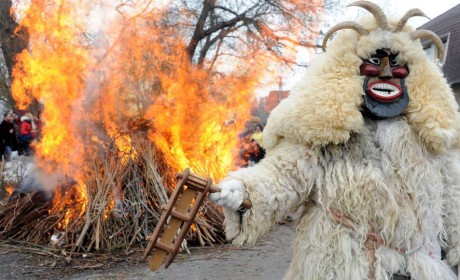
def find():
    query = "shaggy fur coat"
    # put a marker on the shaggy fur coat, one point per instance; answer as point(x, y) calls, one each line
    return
point(399, 176)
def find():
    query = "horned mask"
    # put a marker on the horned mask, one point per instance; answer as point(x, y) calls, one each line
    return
point(386, 95)
point(377, 69)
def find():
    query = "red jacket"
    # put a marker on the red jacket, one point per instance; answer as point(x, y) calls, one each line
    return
point(26, 128)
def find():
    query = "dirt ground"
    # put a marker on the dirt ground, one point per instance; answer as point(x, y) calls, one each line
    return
point(267, 260)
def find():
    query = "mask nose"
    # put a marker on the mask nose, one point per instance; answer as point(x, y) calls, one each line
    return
point(385, 69)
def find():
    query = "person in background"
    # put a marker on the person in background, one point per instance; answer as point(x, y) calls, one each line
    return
point(257, 151)
point(8, 136)
point(2, 146)
point(27, 133)
point(17, 130)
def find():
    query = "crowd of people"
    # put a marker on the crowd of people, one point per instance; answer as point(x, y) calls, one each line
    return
point(17, 131)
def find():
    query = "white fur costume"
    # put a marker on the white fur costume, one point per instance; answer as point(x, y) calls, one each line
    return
point(399, 176)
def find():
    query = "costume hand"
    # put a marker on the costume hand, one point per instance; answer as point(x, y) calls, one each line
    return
point(231, 194)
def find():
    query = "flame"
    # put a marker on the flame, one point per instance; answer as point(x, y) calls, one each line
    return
point(52, 72)
point(99, 86)
point(193, 227)
point(9, 189)
point(71, 202)
point(193, 129)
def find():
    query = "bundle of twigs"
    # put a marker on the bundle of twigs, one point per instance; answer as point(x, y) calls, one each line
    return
point(124, 195)
point(21, 216)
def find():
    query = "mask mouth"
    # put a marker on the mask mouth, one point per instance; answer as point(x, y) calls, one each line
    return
point(385, 99)
point(384, 91)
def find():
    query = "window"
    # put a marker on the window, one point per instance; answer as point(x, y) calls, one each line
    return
point(432, 51)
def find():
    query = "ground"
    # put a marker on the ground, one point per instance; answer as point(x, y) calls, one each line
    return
point(267, 260)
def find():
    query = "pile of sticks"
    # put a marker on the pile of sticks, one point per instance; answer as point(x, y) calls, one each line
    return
point(124, 195)
point(23, 215)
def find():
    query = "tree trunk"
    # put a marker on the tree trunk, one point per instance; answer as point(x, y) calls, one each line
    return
point(198, 34)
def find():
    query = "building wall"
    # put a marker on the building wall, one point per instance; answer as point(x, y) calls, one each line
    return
point(456, 89)
point(274, 98)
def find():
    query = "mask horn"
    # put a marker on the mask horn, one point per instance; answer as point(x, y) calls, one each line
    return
point(428, 34)
point(407, 16)
point(378, 13)
point(344, 25)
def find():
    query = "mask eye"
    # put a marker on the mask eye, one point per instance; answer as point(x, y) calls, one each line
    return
point(374, 60)
point(393, 63)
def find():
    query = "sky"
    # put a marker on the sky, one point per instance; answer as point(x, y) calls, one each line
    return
point(431, 8)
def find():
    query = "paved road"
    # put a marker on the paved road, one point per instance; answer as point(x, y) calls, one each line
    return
point(268, 260)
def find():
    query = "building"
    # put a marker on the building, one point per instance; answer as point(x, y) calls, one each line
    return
point(447, 27)
point(274, 98)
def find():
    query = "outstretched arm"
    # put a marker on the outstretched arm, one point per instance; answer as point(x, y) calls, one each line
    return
point(276, 186)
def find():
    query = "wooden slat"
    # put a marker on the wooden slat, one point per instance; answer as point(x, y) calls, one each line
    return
point(195, 186)
point(163, 246)
point(183, 217)
point(198, 179)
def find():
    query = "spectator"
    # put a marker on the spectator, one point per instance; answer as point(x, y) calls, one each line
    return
point(257, 151)
point(17, 129)
point(8, 136)
point(244, 151)
point(27, 133)
point(2, 145)
point(257, 135)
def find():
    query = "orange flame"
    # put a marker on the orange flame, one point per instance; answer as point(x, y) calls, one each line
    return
point(194, 128)
point(53, 72)
point(9, 189)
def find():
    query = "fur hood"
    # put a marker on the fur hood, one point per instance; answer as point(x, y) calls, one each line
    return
point(324, 108)
point(25, 118)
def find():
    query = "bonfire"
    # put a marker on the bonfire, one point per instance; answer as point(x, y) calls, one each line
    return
point(122, 115)
point(124, 110)
point(118, 208)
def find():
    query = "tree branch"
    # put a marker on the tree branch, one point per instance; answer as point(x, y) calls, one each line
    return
point(198, 34)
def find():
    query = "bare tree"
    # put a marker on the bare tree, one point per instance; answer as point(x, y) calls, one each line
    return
point(12, 42)
point(239, 28)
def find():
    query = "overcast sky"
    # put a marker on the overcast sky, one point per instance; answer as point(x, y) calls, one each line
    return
point(432, 8)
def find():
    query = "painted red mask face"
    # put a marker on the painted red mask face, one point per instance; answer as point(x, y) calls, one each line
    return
point(384, 84)
point(385, 76)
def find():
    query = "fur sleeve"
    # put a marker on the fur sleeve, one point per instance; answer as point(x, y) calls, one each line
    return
point(276, 186)
point(452, 207)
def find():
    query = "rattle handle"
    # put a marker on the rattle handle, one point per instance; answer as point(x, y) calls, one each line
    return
point(246, 202)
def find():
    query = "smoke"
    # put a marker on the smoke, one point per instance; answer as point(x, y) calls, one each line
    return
point(38, 180)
